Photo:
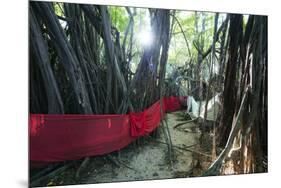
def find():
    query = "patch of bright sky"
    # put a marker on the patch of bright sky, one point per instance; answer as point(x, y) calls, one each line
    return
point(145, 34)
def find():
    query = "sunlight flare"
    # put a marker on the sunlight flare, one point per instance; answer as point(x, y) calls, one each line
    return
point(145, 37)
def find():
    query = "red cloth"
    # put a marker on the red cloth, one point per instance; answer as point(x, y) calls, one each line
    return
point(70, 137)
point(55, 138)
point(183, 100)
point(172, 103)
point(137, 123)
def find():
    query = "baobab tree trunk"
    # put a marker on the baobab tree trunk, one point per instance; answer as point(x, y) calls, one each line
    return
point(66, 54)
point(144, 84)
point(230, 84)
point(248, 100)
point(113, 60)
point(39, 50)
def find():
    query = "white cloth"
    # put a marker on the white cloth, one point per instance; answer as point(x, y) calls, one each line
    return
point(212, 108)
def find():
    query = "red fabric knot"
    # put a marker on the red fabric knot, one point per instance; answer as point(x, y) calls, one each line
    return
point(137, 123)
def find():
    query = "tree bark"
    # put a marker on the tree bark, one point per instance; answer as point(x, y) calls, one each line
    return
point(40, 51)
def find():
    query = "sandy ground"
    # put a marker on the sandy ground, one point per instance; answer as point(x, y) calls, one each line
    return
point(146, 161)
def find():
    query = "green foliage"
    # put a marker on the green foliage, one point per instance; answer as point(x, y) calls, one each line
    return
point(119, 18)
point(58, 9)
point(245, 20)
point(178, 53)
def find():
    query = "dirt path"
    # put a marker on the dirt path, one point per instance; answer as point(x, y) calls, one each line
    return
point(150, 160)
point(147, 161)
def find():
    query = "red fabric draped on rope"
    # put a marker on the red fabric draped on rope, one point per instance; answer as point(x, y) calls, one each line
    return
point(55, 138)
